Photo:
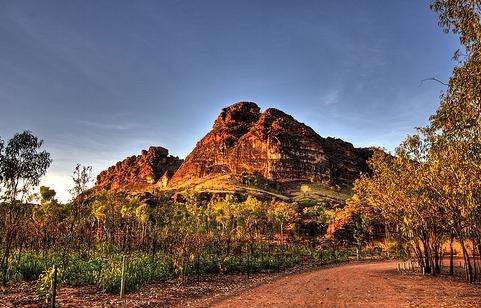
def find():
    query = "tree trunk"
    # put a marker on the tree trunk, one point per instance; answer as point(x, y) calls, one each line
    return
point(475, 270)
point(6, 255)
point(467, 261)
point(427, 258)
point(154, 248)
point(437, 268)
point(451, 256)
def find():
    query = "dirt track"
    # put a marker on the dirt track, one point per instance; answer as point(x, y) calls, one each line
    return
point(360, 285)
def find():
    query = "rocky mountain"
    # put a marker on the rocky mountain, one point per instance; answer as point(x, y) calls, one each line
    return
point(153, 167)
point(272, 145)
point(245, 142)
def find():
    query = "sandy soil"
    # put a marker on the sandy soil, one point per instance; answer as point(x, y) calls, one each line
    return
point(360, 285)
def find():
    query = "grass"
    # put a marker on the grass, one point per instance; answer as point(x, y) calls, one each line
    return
point(229, 184)
point(104, 270)
point(322, 192)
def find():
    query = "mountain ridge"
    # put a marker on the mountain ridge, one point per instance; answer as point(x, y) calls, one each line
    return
point(246, 143)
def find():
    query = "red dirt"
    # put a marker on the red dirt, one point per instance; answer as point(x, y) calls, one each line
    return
point(360, 285)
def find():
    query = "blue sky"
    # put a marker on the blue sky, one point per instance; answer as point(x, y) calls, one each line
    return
point(101, 80)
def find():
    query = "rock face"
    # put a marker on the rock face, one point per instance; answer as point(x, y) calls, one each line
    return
point(271, 144)
point(153, 167)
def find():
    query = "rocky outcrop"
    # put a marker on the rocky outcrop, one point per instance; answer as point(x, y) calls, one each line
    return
point(244, 142)
point(152, 168)
point(271, 144)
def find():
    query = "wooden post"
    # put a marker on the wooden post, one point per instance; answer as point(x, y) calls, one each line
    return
point(198, 268)
point(122, 278)
point(54, 286)
point(277, 261)
point(248, 262)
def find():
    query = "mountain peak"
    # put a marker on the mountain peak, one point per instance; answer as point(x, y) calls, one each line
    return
point(238, 114)
point(272, 145)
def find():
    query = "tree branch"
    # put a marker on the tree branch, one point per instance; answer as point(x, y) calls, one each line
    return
point(433, 79)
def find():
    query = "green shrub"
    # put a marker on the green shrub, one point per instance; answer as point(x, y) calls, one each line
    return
point(28, 266)
point(82, 272)
point(109, 278)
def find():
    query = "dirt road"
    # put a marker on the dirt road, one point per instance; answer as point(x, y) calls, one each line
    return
point(360, 285)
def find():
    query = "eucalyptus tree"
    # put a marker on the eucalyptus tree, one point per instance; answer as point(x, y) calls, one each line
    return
point(78, 206)
point(457, 124)
point(22, 165)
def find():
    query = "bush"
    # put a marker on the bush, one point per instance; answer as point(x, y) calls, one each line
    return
point(27, 267)
point(82, 272)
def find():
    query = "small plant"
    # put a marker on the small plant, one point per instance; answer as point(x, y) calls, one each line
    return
point(45, 284)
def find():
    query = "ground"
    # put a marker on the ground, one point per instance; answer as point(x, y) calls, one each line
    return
point(376, 284)
point(360, 285)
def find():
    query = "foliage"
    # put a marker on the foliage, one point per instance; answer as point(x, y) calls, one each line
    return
point(27, 266)
point(428, 192)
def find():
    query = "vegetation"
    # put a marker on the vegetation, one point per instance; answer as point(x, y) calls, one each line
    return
point(87, 238)
point(428, 192)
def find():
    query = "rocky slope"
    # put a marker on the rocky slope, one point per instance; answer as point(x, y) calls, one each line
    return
point(272, 145)
point(244, 143)
point(152, 168)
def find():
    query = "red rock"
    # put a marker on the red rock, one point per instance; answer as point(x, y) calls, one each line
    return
point(271, 144)
point(139, 173)
point(244, 142)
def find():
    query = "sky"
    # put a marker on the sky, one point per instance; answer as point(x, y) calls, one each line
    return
point(101, 80)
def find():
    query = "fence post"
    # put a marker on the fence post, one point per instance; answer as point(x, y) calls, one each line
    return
point(248, 263)
point(54, 286)
point(277, 261)
point(198, 268)
point(122, 278)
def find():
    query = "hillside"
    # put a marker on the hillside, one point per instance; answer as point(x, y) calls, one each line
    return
point(248, 150)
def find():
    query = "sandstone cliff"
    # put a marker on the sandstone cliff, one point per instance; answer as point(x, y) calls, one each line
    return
point(152, 168)
point(273, 145)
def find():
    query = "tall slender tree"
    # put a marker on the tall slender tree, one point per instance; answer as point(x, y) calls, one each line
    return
point(22, 164)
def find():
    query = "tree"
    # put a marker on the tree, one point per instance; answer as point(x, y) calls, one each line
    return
point(82, 176)
point(282, 214)
point(46, 194)
point(429, 191)
point(456, 125)
point(48, 217)
point(22, 164)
